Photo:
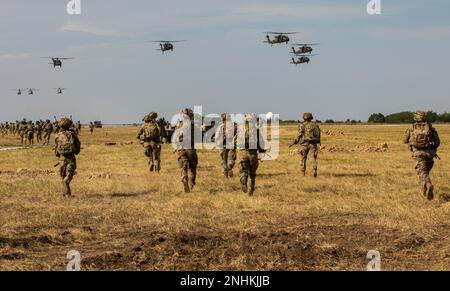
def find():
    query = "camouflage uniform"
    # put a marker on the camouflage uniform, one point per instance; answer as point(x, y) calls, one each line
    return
point(224, 138)
point(67, 147)
point(39, 128)
point(184, 137)
point(151, 144)
point(91, 127)
point(22, 131)
point(30, 132)
point(423, 152)
point(250, 143)
point(308, 143)
point(48, 129)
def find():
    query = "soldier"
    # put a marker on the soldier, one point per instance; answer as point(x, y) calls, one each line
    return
point(22, 131)
point(150, 136)
point(48, 129)
point(67, 147)
point(39, 128)
point(30, 132)
point(250, 143)
point(91, 127)
point(423, 141)
point(184, 137)
point(224, 137)
point(78, 126)
point(308, 138)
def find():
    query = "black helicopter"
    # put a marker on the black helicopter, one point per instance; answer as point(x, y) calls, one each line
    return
point(59, 90)
point(19, 91)
point(31, 91)
point(302, 60)
point(56, 62)
point(167, 45)
point(303, 48)
point(279, 38)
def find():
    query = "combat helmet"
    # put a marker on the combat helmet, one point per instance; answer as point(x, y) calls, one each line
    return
point(308, 116)
point(65, 123)
point(420, 116)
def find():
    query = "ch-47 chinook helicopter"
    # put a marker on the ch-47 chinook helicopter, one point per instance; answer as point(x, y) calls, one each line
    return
point(302, 60)
point(167, 45)
point(279, 38)
point(303, 48)
point(59, 90)
point(56, 62)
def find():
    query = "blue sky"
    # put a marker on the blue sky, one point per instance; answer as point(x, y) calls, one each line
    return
point(366, 63)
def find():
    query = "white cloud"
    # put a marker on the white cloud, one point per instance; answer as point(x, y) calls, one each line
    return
point(15, 56)
point(77, 26)
point(432, 32)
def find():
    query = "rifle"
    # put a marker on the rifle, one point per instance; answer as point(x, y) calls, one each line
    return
point(56, 165)
point(437, 157)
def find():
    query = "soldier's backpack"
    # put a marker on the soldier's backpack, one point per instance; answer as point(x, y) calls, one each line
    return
point(151, 132)
point(312, 132)
point(68, 143)
point(421, 135)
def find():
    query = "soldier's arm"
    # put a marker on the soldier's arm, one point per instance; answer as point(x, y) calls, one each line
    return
point(140, 132)
point(436, 139)
point(407, 136)
point(299, 136)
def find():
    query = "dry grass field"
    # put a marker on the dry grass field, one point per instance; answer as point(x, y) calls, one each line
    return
point(125, 218)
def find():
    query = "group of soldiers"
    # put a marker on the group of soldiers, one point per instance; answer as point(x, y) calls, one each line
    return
point(30, 132)
point(244, 139)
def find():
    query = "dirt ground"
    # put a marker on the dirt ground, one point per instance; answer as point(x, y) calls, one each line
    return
point(124, 218)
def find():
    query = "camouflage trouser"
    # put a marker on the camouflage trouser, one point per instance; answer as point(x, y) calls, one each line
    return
point(424, 164)
point(38, 136)
point(188, 162)
point(30, 137)
point(248, 164)
point(305, 150)
point(67, 168)
point(228, 157)
point(152, 151)
point(47, 137)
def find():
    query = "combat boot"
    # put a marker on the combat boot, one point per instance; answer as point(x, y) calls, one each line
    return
point(152, 167)
point(66, 188)
point(252, 187)
point(157, 167)
point(230, 173)
point(191, 184)
point(244, 184)
point(429, 192)
point(315, 173)
point(187, 189)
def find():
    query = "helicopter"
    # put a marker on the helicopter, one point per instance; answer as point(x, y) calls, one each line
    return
point(59, 90)
point(279, 38)
point(167, 45)
point(19, 91)
point(56, 62)
point(301, 60)
point(31, 91)
point(303, 48)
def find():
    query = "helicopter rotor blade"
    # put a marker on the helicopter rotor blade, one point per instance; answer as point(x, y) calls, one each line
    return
point(281, 33)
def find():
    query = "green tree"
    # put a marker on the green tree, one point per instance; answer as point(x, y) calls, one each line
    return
point(376, 118)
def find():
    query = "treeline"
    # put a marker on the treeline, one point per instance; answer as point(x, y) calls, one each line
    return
point(407, 117)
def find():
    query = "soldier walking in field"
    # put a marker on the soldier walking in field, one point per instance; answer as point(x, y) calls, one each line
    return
point(48, 129)
point(67, 147)
point(250, 144)
point(91, 127)
point(224, 139)
point(29, 132)
point(308, 138)
point(39, 129)
point(150, 136)
point(423, 141)
point(186, 134)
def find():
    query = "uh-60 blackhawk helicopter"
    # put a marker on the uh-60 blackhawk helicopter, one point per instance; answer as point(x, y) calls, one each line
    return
point(279, 38)
point(56, 62)
point(31, 91)
point(167, 45)
point(59, 90)
point(19, 91)
point(303, 48)
point(302, 60)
